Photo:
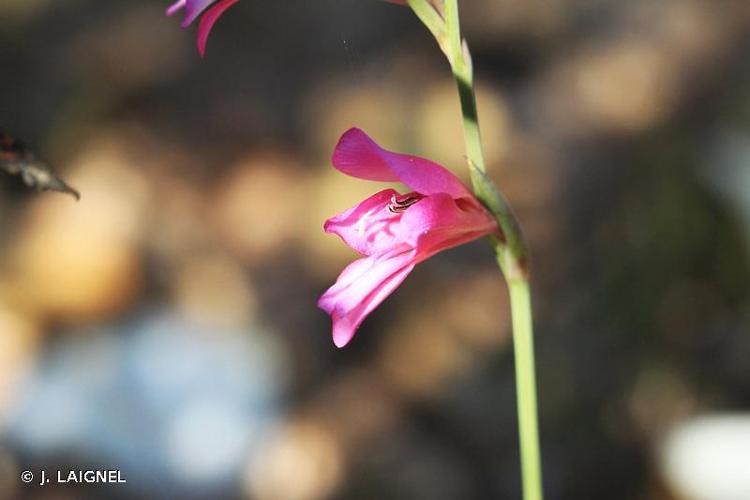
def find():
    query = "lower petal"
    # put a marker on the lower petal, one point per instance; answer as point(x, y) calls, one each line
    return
point(361, 287)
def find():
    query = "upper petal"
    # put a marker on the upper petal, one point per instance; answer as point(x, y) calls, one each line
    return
point(361, 287)
point(359, 156)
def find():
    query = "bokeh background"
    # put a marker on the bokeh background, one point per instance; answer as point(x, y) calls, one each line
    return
point(166, 325)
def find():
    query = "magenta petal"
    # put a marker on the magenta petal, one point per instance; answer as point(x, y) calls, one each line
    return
point(439, 222)
point(193, 9)
point(367, 227)
point(208, 20)
point(359, 156)
point(361, 287)
point(172, 9)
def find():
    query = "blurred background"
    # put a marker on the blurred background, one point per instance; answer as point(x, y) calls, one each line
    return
point(165, 325)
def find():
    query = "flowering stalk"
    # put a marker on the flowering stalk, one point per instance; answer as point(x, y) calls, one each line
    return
point(510, 249)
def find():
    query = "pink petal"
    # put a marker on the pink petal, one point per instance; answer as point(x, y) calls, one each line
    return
point(361, 287)
point(439, 222)
point(175, 7)
point(193, 9)
point(208, 20)
point(359, 156)
point(368, 226)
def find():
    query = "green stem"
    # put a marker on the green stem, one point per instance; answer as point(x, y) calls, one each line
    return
point(510, 247)
point(512, 242)
point(523, 344)
point(464, 74)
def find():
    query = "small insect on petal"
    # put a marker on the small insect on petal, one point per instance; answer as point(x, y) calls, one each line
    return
point(399, 204)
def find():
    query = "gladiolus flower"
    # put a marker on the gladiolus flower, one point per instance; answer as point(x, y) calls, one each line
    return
point(193, 8)
point(394, 232)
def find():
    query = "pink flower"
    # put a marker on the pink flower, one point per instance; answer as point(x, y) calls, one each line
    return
point(194, 8)
point(394, 232)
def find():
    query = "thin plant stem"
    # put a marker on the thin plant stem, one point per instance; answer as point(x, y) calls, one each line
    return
point(523, 345)
point(510, 247)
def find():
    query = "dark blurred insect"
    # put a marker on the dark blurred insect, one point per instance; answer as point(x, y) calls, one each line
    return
point(15, 159)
